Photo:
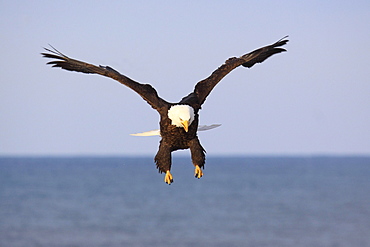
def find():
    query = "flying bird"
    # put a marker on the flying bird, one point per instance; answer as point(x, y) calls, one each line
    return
point(178, 121)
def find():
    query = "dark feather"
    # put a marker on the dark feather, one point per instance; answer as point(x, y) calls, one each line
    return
point(203, 88)
point(146, 91)
point(261, 54)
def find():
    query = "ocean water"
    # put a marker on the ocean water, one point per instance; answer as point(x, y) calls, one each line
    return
point(240, 201)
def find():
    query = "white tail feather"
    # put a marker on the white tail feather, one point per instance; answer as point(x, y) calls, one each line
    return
point(157, 133)
point(208, 127)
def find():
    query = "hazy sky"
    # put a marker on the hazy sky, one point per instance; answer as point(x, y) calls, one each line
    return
point(313, 99)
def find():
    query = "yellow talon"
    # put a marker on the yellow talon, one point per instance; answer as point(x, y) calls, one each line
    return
point(168, 177)
point(198, 172)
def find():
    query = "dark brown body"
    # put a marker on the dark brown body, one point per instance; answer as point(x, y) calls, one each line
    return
point(175, 138)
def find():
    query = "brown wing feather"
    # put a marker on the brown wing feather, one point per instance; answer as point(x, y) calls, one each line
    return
point(146, 91)
point(203, 88)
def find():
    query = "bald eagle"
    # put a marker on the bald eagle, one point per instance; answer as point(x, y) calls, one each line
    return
point(178, 121)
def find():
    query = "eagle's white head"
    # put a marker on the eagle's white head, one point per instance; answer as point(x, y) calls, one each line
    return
point(181, 116)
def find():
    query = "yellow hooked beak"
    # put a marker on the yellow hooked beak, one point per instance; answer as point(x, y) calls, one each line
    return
point(185, 124)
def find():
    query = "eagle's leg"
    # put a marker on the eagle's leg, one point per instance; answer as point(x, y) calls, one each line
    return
point(198, 157)
point(198, 172)
point(168, 179)
point(163, 161)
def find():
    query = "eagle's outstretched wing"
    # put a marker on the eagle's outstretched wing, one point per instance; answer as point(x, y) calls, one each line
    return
point(146, 91)
point(203, 88)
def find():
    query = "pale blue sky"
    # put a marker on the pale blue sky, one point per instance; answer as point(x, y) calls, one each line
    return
point(314, 99)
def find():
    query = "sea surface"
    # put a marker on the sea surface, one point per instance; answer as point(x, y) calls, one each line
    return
point(240, 201)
